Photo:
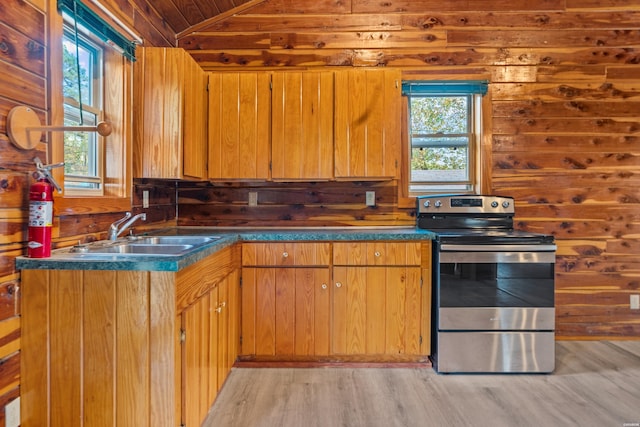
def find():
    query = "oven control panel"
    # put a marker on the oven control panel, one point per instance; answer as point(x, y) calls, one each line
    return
point(465, 204)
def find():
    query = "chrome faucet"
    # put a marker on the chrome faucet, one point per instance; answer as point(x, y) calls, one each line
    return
point(116, 229)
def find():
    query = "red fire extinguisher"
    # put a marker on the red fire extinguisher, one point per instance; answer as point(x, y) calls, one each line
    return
point(41, 210)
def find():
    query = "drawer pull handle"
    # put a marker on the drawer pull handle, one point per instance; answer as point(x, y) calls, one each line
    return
point(376, 253)
point(285, 254)
point(324, 286)
point(338, 285)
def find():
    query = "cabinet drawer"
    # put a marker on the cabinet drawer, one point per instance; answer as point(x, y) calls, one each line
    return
point(285, 254)
point(376, 253)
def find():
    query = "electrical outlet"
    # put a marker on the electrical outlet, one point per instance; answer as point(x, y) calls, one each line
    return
point(253, 198)
point(145, 199)
point(12, 413)
point(634, 302)
point(370, 199)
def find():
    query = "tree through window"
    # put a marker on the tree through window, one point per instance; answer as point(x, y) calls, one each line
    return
point(444, 126)
point(82, 90)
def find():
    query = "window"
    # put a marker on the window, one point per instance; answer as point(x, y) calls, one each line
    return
point(444, 127)
point(83, 72)
point(96, 166)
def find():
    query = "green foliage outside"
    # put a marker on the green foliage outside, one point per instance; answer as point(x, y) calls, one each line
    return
point(76, 144)
point(439, 115)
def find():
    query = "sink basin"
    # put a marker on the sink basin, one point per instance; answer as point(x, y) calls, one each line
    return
point(138, 248)
point(144, 245)
point(172, 240)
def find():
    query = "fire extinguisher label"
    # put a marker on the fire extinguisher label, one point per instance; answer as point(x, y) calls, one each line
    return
point(40, 214)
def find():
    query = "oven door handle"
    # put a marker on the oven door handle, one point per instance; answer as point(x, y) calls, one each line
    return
point(497, 248)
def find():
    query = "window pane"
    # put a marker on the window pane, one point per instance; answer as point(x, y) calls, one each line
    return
point(82, 75)
point(440, 139)
point(442, 114)
point(439, 164)
point(80, 147)
point(70, 72)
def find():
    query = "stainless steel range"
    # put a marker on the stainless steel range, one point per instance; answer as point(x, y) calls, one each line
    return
point(493, 287)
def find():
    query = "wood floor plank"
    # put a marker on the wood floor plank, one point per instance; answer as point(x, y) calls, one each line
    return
point(596, 383)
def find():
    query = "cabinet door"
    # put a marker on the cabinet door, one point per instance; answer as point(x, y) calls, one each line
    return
point(302, 125)
point(220, 311)
point(233, 322)
point(376, 310)
point(367, 124)
point(285, 311)
point(169, 86)
point(194, 134)
point(239, 126)
point(199, 359)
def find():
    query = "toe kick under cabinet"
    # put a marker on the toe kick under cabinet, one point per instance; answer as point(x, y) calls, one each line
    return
point(128, 348)
point(340, 301)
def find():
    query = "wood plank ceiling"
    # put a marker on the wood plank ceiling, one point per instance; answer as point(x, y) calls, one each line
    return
point(181, 15)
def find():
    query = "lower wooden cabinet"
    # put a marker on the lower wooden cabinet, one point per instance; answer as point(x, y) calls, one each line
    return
point(376, 310)
point(285, 299)
point(285, 311)
point(209, 339)
point(368, 299)
point(127, 348)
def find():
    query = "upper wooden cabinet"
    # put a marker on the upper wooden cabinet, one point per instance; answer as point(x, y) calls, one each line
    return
point(239, 125)
point(367, 124)
point(302, 125)
point(170, 105)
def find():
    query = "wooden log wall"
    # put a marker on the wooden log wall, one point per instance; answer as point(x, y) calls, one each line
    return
point(565, 120)
point(291, 204)
point(23, 81)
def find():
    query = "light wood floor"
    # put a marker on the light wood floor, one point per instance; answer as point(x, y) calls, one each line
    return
point(596, 383)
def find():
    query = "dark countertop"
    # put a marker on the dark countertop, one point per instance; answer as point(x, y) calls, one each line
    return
point(61, 259)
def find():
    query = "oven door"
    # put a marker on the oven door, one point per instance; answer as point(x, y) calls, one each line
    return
point(501, 287)
point(494, 309)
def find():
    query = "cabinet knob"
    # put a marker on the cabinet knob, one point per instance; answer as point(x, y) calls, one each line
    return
point(285, 254)
point(219, 309)
point(223, 304)
point(376, 253)
point(338, 285)
point(324, 286)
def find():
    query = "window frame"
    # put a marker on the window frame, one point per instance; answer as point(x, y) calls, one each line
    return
point(117, 112)
point(470, 145)
point(479, 151)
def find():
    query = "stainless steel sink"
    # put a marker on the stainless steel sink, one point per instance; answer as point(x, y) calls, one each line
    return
point(173, 240)
point(137, 248)
point(144, 245)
